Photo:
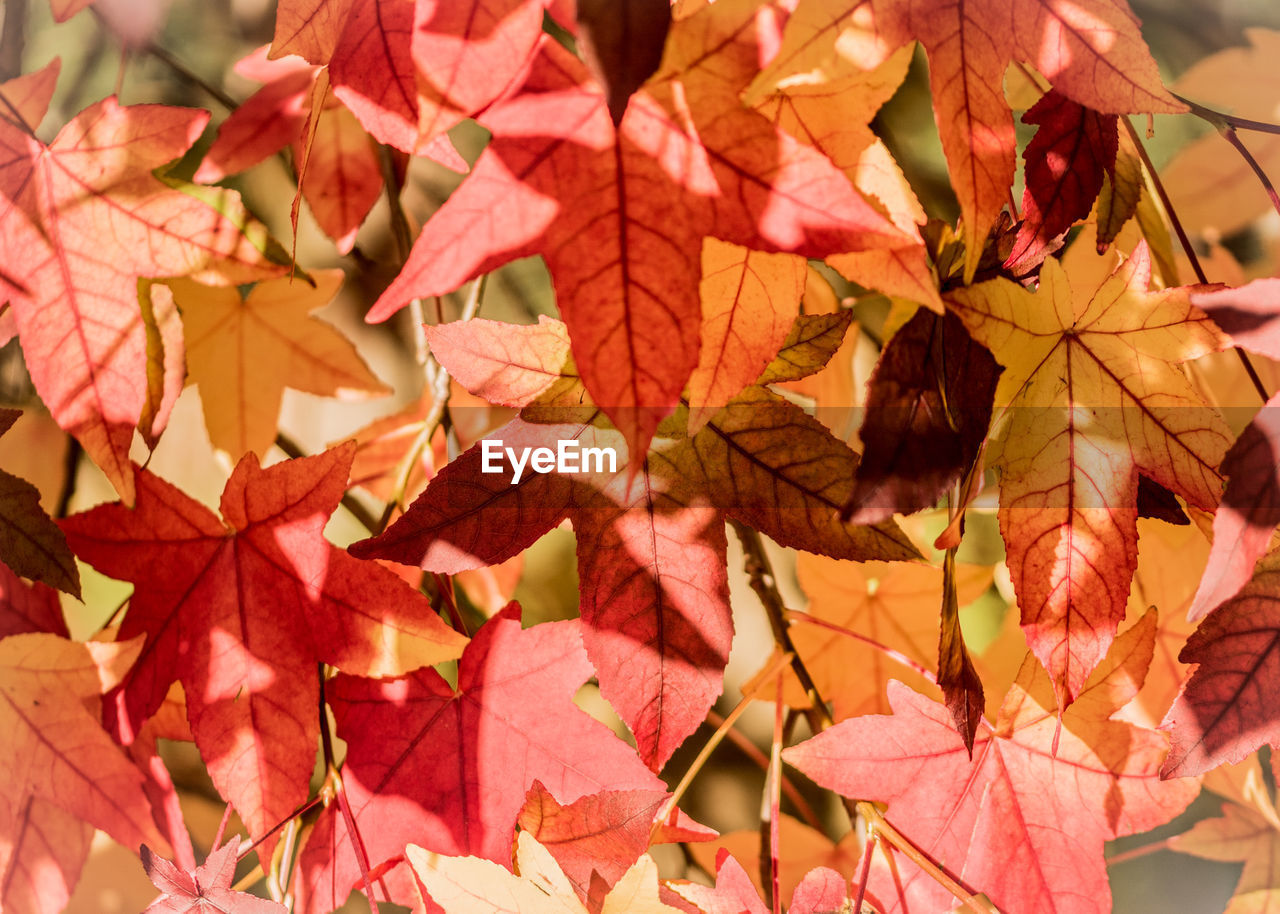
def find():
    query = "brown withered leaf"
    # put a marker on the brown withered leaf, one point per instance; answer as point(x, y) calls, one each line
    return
point(928, 408)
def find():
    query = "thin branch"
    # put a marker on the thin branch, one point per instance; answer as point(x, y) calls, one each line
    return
point(710, 746)
point(70, 469)
point(1229, 133)
point(739, 739)
point(1143, 850)
point(300, 811)
point(333, 778)
point(182, 70)
point(14, 38)
point(760, 573)
point(399, 222)
point(1221, 119)
point(1172, 216)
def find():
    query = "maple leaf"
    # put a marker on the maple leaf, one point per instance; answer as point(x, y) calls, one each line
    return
point(471, 885)
point(449, 767)
point(49, 844)
point(1171, 561)
point(1091, 52)
point(32, 544)
point(618, 213)
point(1250, 508)
point(596, 838)
point(241, 609)
point(895, 605)
point(411, 70)
point(1024, 819)
point(651, 552)
point(1093, 397)
point(928, 410)
point(1249, 831)
point(207, 889)
point(60, 766)
point(28, 607)
point(749, 303)
point(85, 218)
point(733, 892)
point(1067, 159)
point(339, 172)
point(835, 117)
point(243, 352)
point(804, 849)
point(1227, 708)
point(811, 344)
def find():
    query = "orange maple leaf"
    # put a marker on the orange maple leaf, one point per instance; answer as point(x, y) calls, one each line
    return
point(1091, 51)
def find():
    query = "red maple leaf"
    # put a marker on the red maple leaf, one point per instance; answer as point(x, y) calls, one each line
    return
point(242, 608)
point(1025, 818)
point(339, 172)
point(449, 767)
point(651, 551)
point(84, 217)
point(206, 890)
point(620, 214)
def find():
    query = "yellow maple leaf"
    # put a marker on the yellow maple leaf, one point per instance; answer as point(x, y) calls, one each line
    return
point(243, 353)
point(1093, 396)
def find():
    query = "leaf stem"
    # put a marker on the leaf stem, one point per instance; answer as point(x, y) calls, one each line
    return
point(70, 468)
point(739, 739)
point(775, 798)
point(438, 383)
point(300, 811)
point(182, 70)
point(864, 872)
point(1229, 133)
point(1221, 119)
point(760, 573)
point(333, 779)
point(1172, 216)
point(795, 615)
point(710, 746)
point(1143, 850)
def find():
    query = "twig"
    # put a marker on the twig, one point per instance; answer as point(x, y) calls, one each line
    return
point(1229, 133)
point(1221, 119)
point(764, 584)
point(180, 68)
point(1141, 851)
point(438, 415)
point(1172, 216)
point(300, 811)
point(14, 38)
point(795, 615)
point(353, 506)
point(333, 778)
point(70, 467)
point(864, 873)
point(749, 749)
point(710, 746)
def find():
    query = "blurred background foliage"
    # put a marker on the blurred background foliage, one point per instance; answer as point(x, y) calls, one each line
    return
point(180, 52)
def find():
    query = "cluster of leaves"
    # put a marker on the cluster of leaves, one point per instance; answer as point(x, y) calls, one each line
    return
point(696, 176)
